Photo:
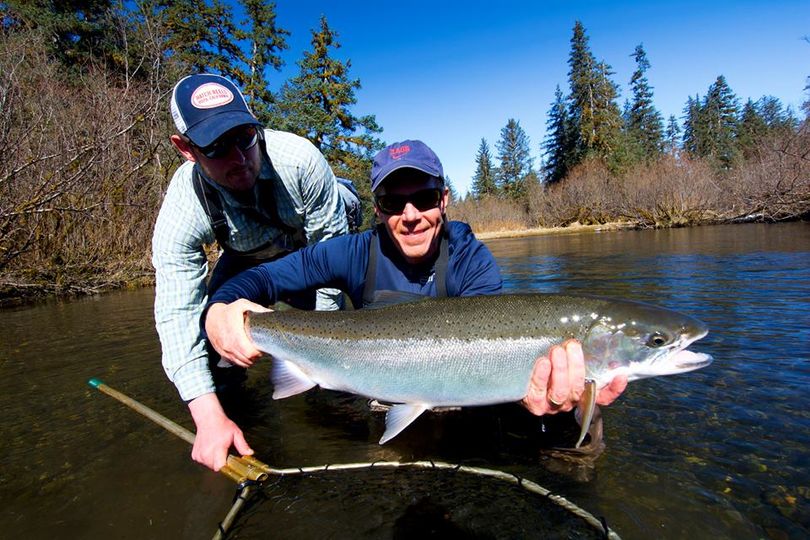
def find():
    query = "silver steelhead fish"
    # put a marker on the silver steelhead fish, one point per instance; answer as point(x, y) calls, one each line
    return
point(450, 352)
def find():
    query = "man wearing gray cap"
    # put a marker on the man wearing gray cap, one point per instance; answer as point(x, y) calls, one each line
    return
point(260, 194)
point(415, 249)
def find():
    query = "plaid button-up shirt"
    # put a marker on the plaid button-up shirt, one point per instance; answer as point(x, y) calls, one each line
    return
point(308, 201)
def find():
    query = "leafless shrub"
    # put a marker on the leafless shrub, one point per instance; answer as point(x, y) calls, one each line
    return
point(670, 193)
point(775, 184)
point(490, 214)
point(82, 170)
point(586, 196)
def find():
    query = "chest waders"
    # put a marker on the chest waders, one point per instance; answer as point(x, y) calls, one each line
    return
point(439, 276)
point(229, 379)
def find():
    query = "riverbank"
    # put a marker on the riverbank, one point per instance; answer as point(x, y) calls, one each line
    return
point(23, 290)
point(574, 228)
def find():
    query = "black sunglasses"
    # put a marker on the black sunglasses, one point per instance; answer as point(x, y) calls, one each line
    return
point(244, 140)
point(423, 200)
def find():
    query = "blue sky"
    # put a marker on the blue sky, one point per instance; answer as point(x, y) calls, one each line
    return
point(452, 73)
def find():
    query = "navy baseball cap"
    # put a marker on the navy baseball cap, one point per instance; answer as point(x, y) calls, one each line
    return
point(411, 154)
point(204, 106)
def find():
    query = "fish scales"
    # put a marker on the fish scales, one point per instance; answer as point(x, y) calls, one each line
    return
point(468, 351)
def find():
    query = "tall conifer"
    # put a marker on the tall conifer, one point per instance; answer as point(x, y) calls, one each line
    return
point(644, 124)
point(484, 182)
point(515, 161)
point(559, 146)
point(595, 117)
point(317, 105)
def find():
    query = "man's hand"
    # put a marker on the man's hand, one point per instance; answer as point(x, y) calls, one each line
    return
point(216, 433)
point(558, 381)
point(225, 327)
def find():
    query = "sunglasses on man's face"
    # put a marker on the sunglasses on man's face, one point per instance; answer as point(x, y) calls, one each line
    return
point(244, 140)
point(423, 200)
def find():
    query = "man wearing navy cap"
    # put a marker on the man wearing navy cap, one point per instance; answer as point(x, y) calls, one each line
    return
point(415, 249)
point(260, 194)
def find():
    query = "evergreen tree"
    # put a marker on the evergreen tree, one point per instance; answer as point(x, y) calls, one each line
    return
point(776, 118)
point(74, 27)
point(606, 115)
point(595, 117)
point(806, 104)
point(751, 129)
point(265, 41)
point(515, 161)
point(484, 182)
point(671, 136)
point(199, 36)
point(317, 105)
point(559, 144)
point(720, 110)
point(644, 124)
point(692, 125)
point(581, 65)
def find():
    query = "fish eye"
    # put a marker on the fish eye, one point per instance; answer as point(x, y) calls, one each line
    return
point(657, 340)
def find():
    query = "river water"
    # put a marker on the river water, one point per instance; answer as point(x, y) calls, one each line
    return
point(723, 452)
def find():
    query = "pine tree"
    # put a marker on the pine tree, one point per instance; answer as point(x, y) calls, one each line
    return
point(751, 129)
point(317, 105)
point(77, 31)
point(776, 117)
point(559, 144)
point(720, 110)
point(671, 136)
point(200, 36)
point(484, 183)
point(643, 123)
point(595, 117)
point(692, 125)
point(581, 100)
point(606, 115)
point(515, 161)
point(265, 41)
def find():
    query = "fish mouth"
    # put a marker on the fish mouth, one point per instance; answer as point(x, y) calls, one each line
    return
point(687, 360)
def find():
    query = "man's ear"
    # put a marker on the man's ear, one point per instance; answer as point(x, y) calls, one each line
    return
point(445, 199)
point(183, 147)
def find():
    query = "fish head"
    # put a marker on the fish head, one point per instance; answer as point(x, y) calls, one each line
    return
point(640, 340)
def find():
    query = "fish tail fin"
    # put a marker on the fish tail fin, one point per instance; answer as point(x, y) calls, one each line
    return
point(399, 417)
point(288, 379)
point(584, 413)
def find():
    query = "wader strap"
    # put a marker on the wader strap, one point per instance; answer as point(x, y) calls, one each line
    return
point(440, 276)
point(212, 204)
point(371, 270)
point(440, 269)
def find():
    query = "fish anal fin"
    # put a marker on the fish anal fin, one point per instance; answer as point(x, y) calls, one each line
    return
point(288, 379)
point(399, 417)
point(585, 408)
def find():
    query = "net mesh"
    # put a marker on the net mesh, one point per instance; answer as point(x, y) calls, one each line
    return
point(406, 502)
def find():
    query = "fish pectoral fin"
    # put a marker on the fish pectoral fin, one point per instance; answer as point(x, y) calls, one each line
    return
point(288, 379)
point(585, 408)
point(399, 417)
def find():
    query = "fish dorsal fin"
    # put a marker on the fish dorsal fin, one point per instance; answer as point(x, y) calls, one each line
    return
point(281, 306)
point(288, 379)
point(399, 417)
point(387, 298)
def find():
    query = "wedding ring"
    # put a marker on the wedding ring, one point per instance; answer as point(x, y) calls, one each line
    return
point(553, 402)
